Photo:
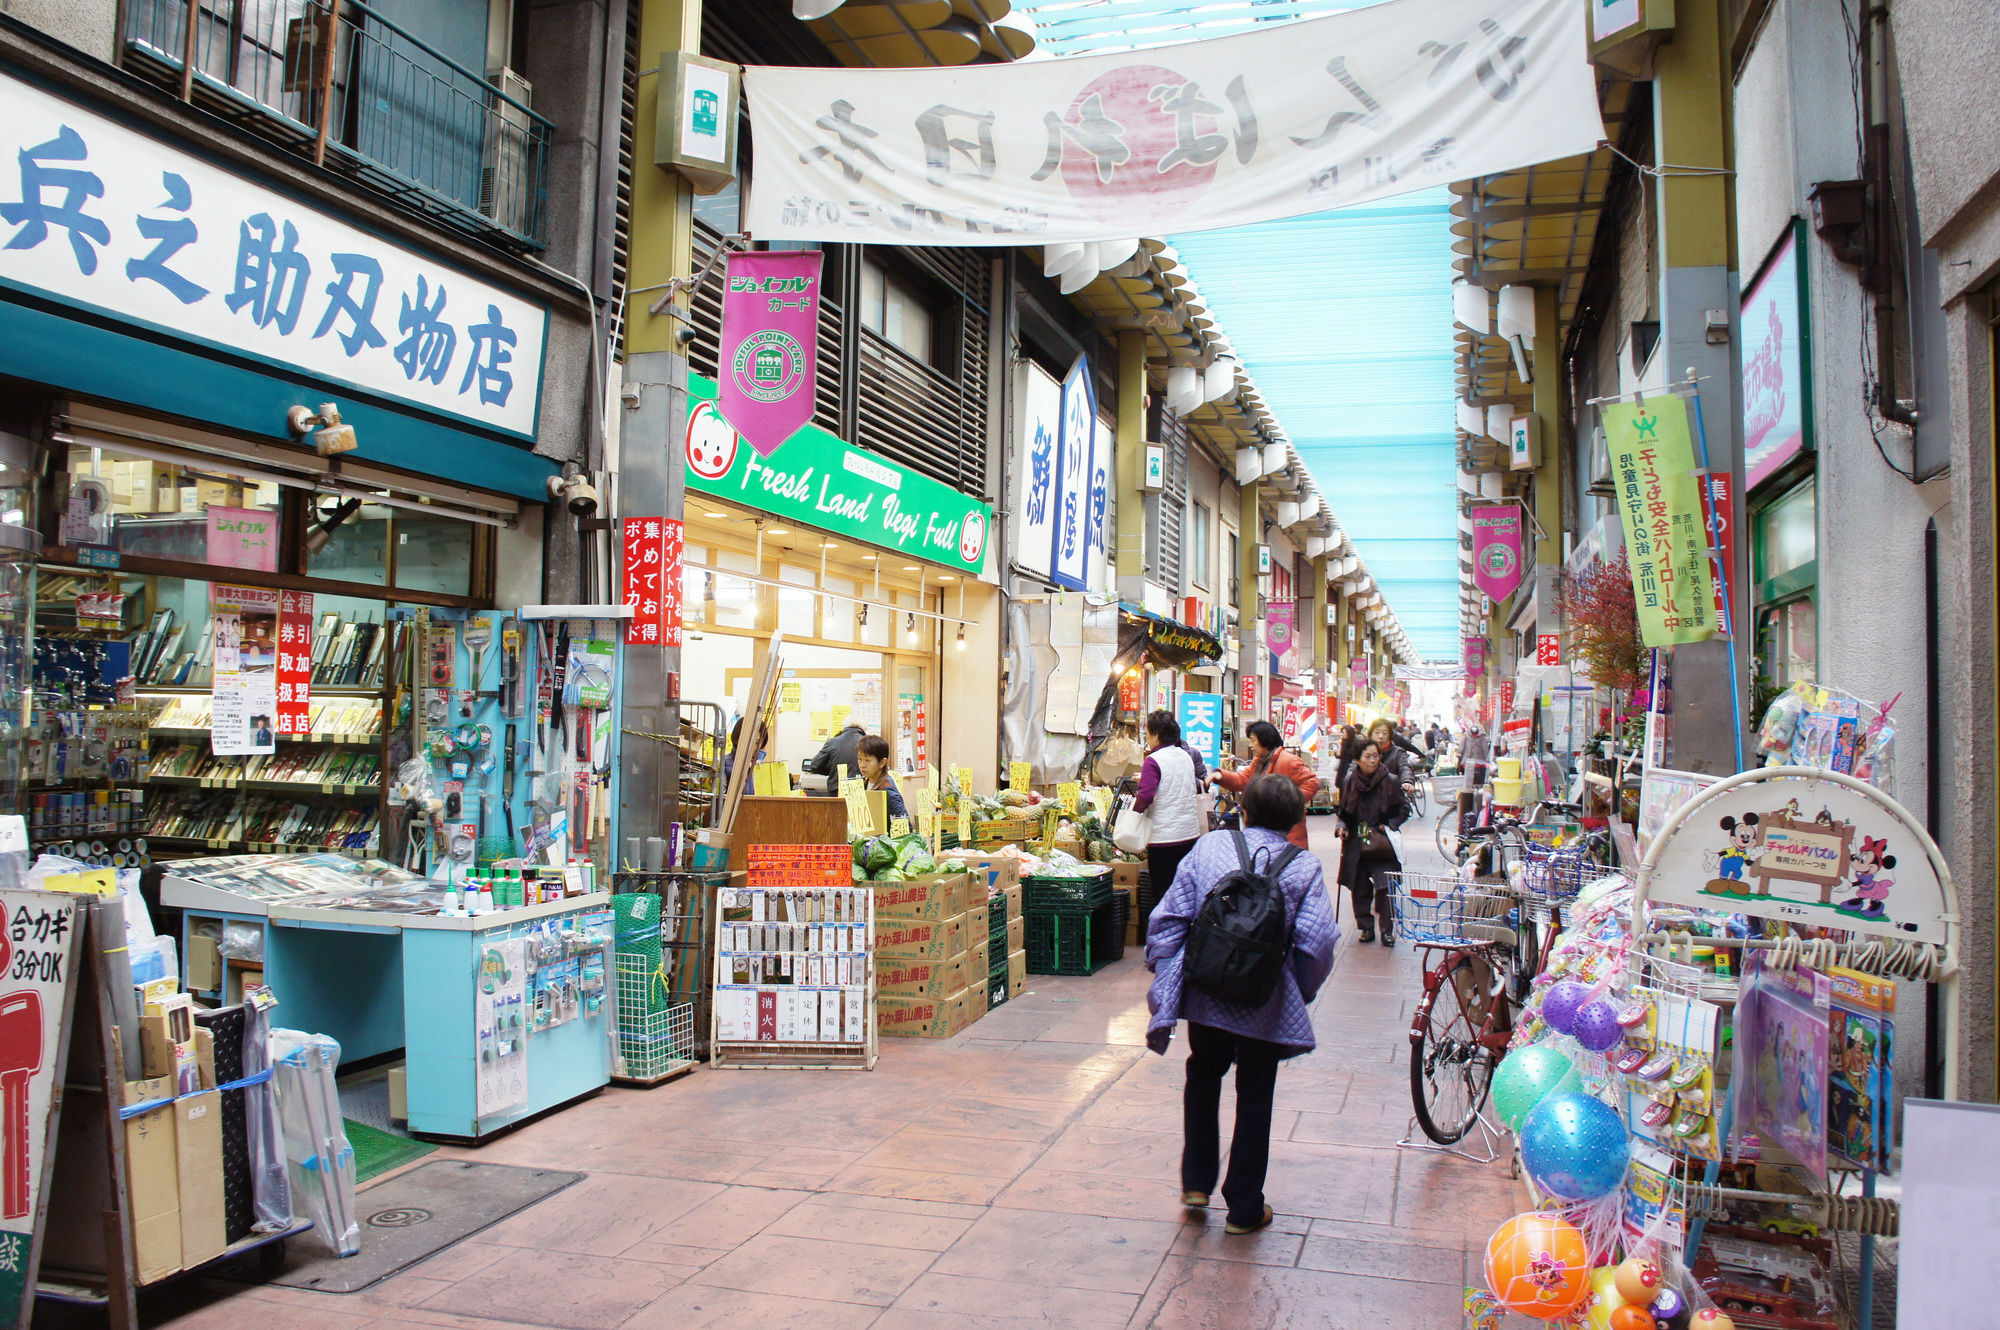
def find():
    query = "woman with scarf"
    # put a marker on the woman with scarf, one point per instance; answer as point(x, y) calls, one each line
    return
point(1372, 803)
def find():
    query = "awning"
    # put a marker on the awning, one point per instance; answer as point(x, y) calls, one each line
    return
point(1171, 643)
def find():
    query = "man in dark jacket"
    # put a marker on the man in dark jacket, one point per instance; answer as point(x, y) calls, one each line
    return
point(835, 753)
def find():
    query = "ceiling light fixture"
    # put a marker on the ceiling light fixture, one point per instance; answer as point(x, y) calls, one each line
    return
point(961, 637)
point(910, 628)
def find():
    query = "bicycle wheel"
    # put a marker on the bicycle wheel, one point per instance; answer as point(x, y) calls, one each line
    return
point(1419, 807)
point(1450, 1070)
point(1446, 835)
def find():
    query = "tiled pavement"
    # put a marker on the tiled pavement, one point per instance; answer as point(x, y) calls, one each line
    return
point(1024, 1172)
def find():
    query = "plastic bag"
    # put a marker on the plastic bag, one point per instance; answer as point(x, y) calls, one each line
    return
point(242, 942)
point(270, 1188)
point(319, 1162)
point(1120, 759)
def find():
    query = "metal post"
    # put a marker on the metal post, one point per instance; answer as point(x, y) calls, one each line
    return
point(1131, 466)
point(187, 50)
point(324, 42)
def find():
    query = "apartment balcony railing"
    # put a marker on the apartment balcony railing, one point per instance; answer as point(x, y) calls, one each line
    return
point(337, 82)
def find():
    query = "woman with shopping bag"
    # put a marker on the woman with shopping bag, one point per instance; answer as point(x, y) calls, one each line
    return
point(1372, 807)
point(1167, 804)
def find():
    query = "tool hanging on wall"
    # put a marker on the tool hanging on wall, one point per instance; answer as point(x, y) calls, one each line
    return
point(510, 667)
point(507, 783)
point(478, 633)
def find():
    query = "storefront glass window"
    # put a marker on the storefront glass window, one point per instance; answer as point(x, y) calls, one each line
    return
point(1787, 532)
point(357, 542)
point(141, 507)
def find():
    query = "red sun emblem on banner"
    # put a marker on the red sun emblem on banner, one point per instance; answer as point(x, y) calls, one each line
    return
point(1140, 137)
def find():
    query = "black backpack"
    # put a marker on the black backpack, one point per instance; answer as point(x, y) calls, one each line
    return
point(1238, 943)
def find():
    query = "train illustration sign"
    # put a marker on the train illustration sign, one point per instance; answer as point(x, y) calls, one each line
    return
point(1806, 849)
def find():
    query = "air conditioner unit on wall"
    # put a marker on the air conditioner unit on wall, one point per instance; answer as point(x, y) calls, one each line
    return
point(503, 171)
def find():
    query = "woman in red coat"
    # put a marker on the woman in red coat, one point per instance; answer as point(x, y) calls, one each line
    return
point(1269, 756)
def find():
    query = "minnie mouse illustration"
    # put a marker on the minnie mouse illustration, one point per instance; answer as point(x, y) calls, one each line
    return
point(1871, 881)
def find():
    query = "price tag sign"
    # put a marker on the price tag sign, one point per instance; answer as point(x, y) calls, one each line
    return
point(925, 803)
point(772, 778)
point(1069, 793)
point(1102, 797)
point(899, 826)
point(1049, 820)
point(97, 882)
point(860, 817)
point(1020, 776)
point(965, 823)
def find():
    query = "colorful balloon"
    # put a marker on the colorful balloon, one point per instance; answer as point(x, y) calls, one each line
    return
point(1632, 1317)
point(1538, 1264)
point(1529, 1076)
point(1575, 1147)
point(1561, 1002)
point(1602, 1300)
point(1596, 1026)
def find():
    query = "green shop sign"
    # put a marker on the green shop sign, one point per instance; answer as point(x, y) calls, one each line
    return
point(819, 480)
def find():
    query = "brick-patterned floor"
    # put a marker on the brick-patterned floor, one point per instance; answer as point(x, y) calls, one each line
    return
point(1024, 1172)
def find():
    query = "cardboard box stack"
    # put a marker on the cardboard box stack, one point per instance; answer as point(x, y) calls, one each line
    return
point(931, 936)
point(1007, 955)
point(174, 1148)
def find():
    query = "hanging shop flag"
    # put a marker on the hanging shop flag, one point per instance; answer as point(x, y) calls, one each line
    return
point(822, 481)
point(1281, 632)
point(1652, 470)
point(1715, 494)
point(1548, 649)
point(244, 691)
point(770, 343)
point(295, 656)
point(1296, 118)
point(1080, 481)
point(1040, 417)
point(673, 542)
point(1247, 705)
point(1496, 549)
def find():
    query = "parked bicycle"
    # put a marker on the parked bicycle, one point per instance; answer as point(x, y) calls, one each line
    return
point(1483, 943)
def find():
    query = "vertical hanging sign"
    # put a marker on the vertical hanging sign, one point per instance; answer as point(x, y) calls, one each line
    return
point(1069, 560)
point(295, 651)
point(673, 540)
point(1496, 549)
point(644, 558)
point(770, 344)
point(244, 691)
point(1666, 538)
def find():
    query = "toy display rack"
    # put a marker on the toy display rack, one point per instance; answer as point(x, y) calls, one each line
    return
point(1867, 1215)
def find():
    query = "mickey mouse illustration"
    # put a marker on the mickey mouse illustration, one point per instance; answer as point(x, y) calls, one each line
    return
point(1742, 848)
point(1871, 881)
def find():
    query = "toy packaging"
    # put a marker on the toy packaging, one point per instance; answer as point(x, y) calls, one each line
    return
point(1861, 1034)
point(1782, 1048)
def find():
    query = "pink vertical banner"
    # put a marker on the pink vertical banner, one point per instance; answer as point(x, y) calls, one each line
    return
point(673, 540)
point(643, 561)
point(1496, 549)
point(295, 649)
point(770, 341)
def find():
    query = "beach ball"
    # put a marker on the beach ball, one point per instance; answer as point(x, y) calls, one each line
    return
point(1538, 1264)
point(1560, 1004)
point(1638, 1280)
point(1596, 1026)
point(1529, 1076)
point(1575, 1146)
point(1632, 1317)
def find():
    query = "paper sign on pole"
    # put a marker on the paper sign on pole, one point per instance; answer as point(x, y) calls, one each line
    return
point(244, 687)
point(1652, 472)
point(1069, 794)
point(1020, 776)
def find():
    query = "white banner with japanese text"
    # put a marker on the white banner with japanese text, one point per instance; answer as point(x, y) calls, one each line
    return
point(1297, 118)
point(98, 214)
point(1039, 416)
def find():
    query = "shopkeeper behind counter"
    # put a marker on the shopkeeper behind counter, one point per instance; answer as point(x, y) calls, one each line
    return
point(872, 752)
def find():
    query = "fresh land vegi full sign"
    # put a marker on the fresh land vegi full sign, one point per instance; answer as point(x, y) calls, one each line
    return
point(817, 479)
point(770, 344)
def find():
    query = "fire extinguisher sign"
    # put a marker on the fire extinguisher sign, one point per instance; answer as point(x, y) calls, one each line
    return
point(38, 950)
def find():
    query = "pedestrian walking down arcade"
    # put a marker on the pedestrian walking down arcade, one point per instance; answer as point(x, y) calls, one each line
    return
point(677, 633)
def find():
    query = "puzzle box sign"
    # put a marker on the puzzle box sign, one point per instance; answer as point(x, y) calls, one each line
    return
point(98, 215)
point(1807, 850)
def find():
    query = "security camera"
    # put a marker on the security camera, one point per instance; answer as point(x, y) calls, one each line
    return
point(574, 491)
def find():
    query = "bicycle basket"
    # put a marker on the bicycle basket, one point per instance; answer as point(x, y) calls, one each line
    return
point(1558, 874)
point(1439, 908)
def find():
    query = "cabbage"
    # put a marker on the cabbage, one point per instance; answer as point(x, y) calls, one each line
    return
point(918, 865)
point(880, 854)
point(890, 875)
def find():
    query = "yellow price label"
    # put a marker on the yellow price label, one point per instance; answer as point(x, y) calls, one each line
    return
point(1102, 796)
point(965, 823)
point(926, 802)
point(1069, 794)
point(1020, 776)
point(772, 778)
point(964, 780)
point(860, 816)
point(899, 826)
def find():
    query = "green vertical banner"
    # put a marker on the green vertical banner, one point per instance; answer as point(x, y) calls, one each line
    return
point(1666, 538)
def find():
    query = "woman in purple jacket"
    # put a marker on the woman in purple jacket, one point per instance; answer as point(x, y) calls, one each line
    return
point(1220, 1033)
